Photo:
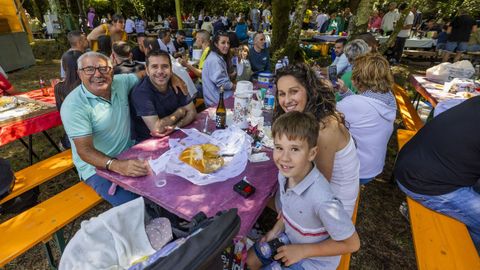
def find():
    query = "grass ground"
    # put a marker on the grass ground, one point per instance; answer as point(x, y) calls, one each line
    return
point(385, 234)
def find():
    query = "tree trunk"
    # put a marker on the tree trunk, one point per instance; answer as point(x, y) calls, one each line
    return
point(280, 12)
point(36, 10)
point(70, 15)
point(291, 47)
point(361, 17)
point(354, 5)
point(398, 26)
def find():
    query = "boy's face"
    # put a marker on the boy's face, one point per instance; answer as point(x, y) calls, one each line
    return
point(293, 157)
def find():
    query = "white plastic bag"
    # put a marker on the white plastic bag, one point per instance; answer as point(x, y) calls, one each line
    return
point(461, 69)
point(446, 72)
point(439, 73)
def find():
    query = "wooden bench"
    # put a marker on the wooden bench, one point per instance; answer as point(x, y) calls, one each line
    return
point(441, 242)
point(40, 173)
point(409, 115)
point(40, 222)
point(473, 56)
point(421, 54)
point(345, 260)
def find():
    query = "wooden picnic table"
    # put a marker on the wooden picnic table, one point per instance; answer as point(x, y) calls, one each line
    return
point(327, 38)
point(412, 42)
point(185, 199)
point(434, 94)
point(41, 122)
point(421, 84)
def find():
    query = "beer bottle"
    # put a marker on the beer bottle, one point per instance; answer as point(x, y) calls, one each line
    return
point(221, 112)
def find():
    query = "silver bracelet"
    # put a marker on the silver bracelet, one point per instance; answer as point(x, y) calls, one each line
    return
point(109, 162)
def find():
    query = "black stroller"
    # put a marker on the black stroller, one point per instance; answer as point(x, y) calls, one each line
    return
point(203, 249)
point(197, 244)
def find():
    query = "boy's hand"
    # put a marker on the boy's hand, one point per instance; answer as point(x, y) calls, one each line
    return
point(270, 235)
point(289, 254)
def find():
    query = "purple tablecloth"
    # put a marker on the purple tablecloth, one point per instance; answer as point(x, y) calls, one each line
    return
point(185, 199)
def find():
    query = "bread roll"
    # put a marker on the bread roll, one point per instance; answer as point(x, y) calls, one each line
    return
point(203, 157)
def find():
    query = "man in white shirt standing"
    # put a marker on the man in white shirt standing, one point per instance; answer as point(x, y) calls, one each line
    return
point(255, 17)
point(266, 14)
point(321, 19)
point(129, 26)
point(390, 18)
point(403, 34)
point(165, 41)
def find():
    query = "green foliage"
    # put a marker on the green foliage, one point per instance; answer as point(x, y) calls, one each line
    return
point(101, 6)
point(139, 6)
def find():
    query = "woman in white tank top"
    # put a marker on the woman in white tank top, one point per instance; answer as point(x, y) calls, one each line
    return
point(299, 89)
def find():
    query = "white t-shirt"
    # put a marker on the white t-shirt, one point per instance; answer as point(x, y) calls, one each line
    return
point(408, 20)
point(266, 15)
point(129, 26)
point(180, 71)
point(389, 19)
point(254, 15)
point(321, 19)
point(170, 48)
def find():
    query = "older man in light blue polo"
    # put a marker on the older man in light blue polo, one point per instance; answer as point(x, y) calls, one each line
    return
point(96, 117)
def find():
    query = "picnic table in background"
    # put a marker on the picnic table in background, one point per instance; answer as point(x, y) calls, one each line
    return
point(412, 42)
point(17, 129)
point(184, 199)
point(328, 38)
point(434, 94)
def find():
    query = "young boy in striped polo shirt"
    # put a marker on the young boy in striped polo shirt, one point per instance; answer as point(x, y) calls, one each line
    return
point(318, 228)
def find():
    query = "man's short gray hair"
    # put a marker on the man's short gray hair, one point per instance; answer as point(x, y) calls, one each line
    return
point(93, 55)
point(204, 34)
point(355, 48)
point(256, 34)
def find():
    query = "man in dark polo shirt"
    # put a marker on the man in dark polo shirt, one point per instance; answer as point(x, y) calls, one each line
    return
point(440, 166)
point(259, 56)
point(156, 108)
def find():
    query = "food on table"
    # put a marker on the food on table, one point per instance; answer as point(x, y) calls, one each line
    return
point(459, 85)
point(203, 157)
point(7, 103)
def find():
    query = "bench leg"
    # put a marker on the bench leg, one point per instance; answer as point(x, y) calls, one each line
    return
point(416, 98)
point(58, 236)
point(51, 260)
point(29, 148)
point(430, 115)
point(51, 141)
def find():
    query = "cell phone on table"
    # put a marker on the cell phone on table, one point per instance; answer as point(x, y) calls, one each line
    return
point(332, 75)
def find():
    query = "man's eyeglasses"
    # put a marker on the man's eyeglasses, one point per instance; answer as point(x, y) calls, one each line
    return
point(101, 69)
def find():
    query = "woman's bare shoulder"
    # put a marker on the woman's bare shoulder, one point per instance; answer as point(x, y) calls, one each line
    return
point(333, 132)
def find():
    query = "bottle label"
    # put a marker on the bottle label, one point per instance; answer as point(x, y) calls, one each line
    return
point(220, 121)
point(269, 101)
